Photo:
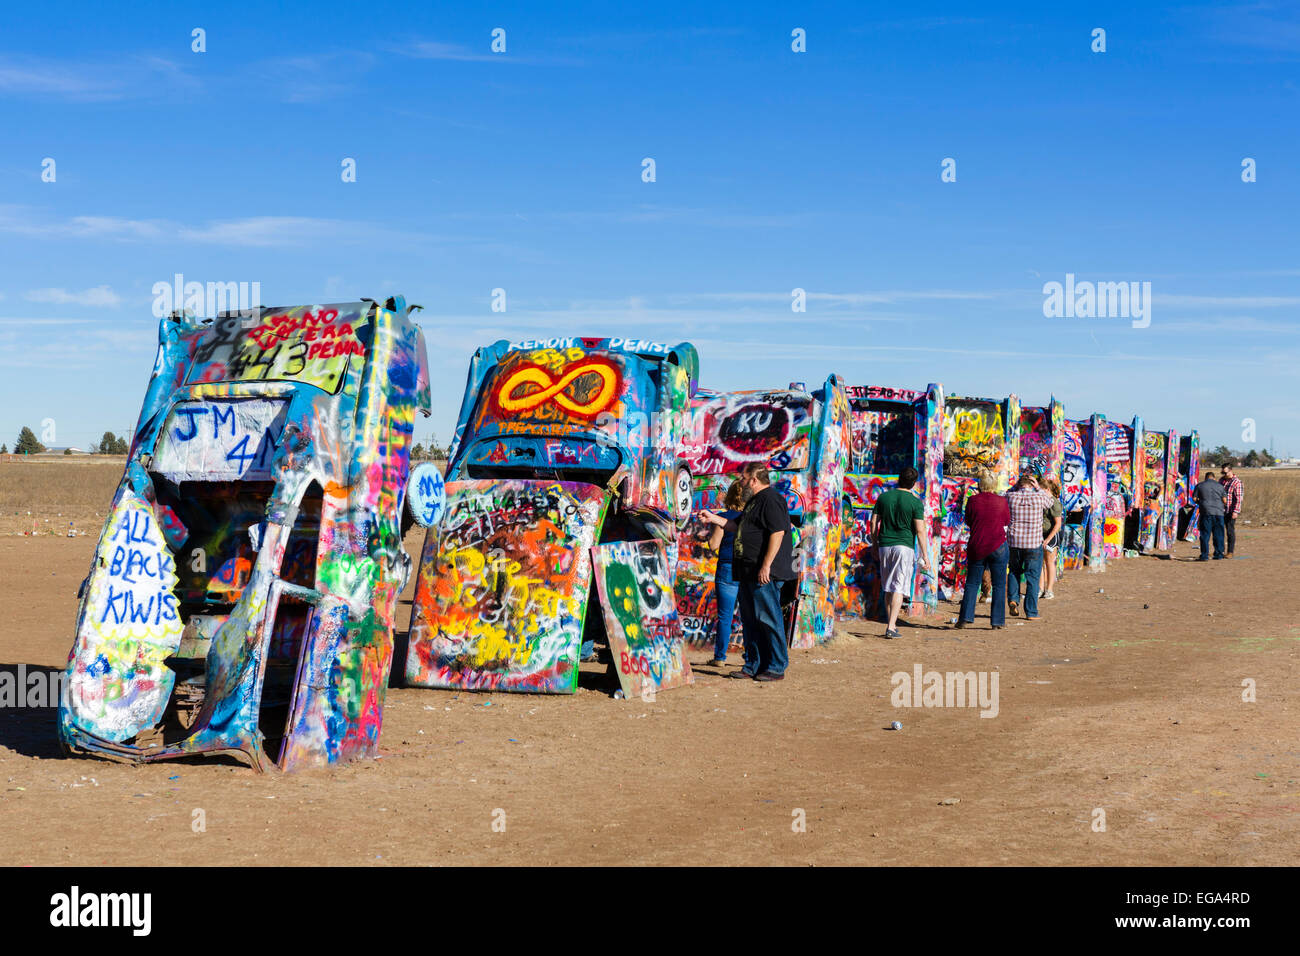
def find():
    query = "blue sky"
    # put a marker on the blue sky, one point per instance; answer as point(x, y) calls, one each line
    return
point(774, 170)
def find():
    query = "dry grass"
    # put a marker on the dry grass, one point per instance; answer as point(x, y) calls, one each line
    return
point(55, 491)
point(1270, 496)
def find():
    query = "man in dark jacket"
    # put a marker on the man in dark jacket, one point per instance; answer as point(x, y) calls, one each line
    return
point(762, 561)
point(1210, 497)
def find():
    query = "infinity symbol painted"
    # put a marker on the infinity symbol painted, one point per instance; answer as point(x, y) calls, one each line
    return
point(551, 389)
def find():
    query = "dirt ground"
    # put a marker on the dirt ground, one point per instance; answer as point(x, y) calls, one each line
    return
point(1104, 703)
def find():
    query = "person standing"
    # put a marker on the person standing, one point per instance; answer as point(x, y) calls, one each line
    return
point(987, 515)
point(725, 585)
point(763, 559)
point(1235, 494)
point(1025, 536)
point(1051, 537)
point(897, 523)
point(1210, 497)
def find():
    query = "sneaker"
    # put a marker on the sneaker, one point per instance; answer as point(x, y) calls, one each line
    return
point(717, 662)
point(960, 623)
point(1014, 608)
point(1047, 595)
point(892, 634)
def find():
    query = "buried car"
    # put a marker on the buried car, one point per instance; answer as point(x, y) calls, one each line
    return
point(892, 429)
point(803, 438)
point(565, 469)
point(243, 591)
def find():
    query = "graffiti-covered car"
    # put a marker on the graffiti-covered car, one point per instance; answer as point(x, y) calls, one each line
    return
point(803, 439)
point(979, 435)
point(566, 453)
point(1159, 508)
point(1125, 454)
point(243, 591)
point(1042, 450)
point(892, 429)
point(1189, 475)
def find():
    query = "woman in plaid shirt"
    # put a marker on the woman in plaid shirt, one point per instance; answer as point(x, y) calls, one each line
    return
point(1025, 535)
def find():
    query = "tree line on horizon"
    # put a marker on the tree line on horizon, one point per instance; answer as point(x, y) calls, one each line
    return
point(1223, 455)
point(110, 444)
point(29, 444)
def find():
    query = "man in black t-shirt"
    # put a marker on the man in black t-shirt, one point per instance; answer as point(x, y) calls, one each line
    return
point(762, 560)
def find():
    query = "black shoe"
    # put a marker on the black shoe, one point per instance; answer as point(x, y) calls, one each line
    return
point(960, 623)
point(1218, 557)
point(768, 676)
point(1202, 559)
point(741, 673)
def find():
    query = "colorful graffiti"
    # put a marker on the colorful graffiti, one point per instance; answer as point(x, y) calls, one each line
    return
point(1035, 438)
point(732, 429)
point(1095, 434)
point(899, 428)
point(645, 637)
point(1076, 493)
point(119, 678)
point(503, 585)
point(426, 497)
point(272, 453)
point(558, 442)
point(1169, 501)
point(980, 436)
point(804, 439)
point(821, 526)
point(1189, 473)
point(310, 345)
point(1155, 447)
point(975, 440)
point(580, 410)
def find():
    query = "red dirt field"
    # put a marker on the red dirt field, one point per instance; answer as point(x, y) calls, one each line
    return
point(1103, 703)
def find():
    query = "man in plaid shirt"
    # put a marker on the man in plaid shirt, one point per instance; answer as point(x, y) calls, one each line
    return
point(1025, 536)
point(1233, 491)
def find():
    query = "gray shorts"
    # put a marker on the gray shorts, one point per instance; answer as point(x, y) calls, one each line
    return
point(896, 565)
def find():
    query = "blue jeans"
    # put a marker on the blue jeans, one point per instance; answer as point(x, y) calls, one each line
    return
point(1211, 524)
point(1026, 563)
point(996, 563)
point(726, 589)
point(763, 627)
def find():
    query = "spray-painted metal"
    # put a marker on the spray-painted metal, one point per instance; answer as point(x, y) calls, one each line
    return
point(803, 438)
point(892, 429)
point(243, 591)
point(561, 446)
point(980, 435)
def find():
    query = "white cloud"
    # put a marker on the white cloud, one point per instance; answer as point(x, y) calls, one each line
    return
point(253, 231)
point(100, 295)
point(129, 76)
point(1227, 301)
point(856, 298)
point(432, 50)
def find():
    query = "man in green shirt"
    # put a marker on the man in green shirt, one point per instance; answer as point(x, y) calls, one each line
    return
point(897, 522)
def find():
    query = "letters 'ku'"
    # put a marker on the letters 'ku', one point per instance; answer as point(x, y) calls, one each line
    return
point(803, 438)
